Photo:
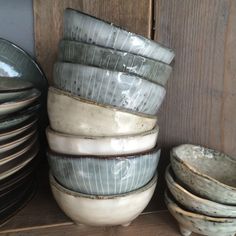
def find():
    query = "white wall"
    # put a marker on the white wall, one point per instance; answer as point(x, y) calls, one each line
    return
point(16, 23)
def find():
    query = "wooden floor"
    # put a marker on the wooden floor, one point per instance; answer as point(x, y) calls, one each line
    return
point(42, 217)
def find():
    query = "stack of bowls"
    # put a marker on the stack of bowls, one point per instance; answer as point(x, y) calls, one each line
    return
point(108, 87)
point(202, 191)
point(18, 143)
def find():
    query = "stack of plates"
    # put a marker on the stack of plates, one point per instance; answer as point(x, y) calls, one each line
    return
point(108, 86)
point(202, 191)
point(19, 115)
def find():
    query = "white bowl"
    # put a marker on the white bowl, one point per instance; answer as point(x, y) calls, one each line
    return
point(101, 145)
point(205, 225)
point(195, 203)
point(74, 115)
point(103, 210)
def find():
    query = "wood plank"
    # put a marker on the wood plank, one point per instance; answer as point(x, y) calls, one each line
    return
point(133, 15)
point(160, 223)
point(201, 94)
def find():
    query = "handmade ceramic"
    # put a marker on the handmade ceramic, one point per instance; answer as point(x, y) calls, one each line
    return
point(104, 175)
point(19, 117)
point(74, 115)
point(17, 129)
point(18, 203)
point(15, 62)
point(19, 103)
point(15, 165)
point(101, 145)
point(108, 87)
point(18, 150)
point(192, 222)
point(85, 28)
point(108, 58)
point(195, 203)
point(102, 210)
point(208, 173)
point(15, 141)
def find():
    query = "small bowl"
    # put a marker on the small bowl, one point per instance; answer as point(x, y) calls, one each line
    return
point(193, 202)
point(101, 145)
point(17, 129)
point(65, 116)
point(108, 87)
point(104, 175)
point(206, 172)
point(192, 222)
point(102, 210)
point(107, 58)
point(19, 103)
point(79, 26)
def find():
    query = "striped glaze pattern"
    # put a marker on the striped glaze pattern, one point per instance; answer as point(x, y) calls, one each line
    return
point(82, 27)
point(104, 176)
point(107, 58)
point(109, 87)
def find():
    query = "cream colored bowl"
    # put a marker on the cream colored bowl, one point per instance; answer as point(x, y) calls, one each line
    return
point(74, 115)
point(101, 145)
point(103, 210)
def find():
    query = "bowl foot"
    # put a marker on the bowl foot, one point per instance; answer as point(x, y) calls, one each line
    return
point(126, 224)
point(184, 231)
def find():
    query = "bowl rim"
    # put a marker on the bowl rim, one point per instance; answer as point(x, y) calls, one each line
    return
point(67, 10)
point(170, 178)
point(198, 173)
point(170, 202)
point(60, 188)
point(69, 41)
point(60, 92)
point(49, 131)
point(129, 156)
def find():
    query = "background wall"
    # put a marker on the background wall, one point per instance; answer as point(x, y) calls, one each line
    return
point(16, 23)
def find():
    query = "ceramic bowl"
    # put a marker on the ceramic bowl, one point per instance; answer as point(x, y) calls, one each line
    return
point(95, 145)
point(19, 117)
point(193, 202)
point(19, 103)
point(15, 141)
point(101, 175)
point(113, 88)
point(11, 167)
point(85, 28)
point(192, 222)
point(206, 172)
point(17, 129)
point(64, 111)
point(107, 58)
point(102, 210)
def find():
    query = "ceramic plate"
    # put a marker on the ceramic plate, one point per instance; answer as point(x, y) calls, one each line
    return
point(19, 103)
point(15, 62)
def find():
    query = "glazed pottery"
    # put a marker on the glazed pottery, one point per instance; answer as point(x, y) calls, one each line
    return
point(107, 58)
point(104, 175)
point(102, 210)
point(15, 165)
point(19, 117)
point(15, 62)
point(195, 203)
point(15, 141)
point(85, 28)
point(17, 129)
point(108, 87)
point(208, 173)
point(192, 222)
point(76, 116)
point(101, 145)
point(19, 103)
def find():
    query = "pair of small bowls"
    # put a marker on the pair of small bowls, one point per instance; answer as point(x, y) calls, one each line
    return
point(202, 190)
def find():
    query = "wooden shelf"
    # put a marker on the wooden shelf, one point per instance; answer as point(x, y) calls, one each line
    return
point(42, 216)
